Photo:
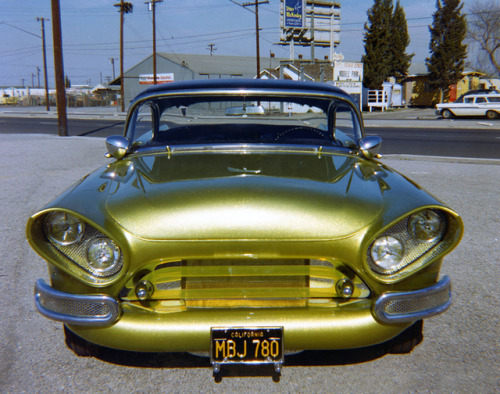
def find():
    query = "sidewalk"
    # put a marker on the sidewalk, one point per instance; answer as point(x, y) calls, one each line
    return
point(72, 113)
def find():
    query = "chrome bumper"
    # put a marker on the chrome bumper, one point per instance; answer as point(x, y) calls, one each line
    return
point(408, 306)
point(101, 310)
point(82, 310)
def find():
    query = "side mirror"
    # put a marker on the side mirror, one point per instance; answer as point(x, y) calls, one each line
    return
point(370, 146)
point(117, 146)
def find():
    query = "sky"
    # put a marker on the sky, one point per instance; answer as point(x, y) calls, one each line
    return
point(91, 34)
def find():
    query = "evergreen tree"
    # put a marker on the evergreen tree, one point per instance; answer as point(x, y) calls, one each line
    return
point(400, 41)
point(377, 38)
point(448, 53)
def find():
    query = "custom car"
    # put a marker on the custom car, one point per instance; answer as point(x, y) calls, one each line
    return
point(243, 219)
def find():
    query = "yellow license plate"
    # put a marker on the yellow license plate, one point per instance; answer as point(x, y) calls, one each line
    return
point(257, 345)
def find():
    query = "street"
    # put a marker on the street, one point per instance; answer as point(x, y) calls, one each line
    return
point(473, 138)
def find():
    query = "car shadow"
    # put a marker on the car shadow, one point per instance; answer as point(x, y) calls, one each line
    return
point(403, 343)
point(307, 358)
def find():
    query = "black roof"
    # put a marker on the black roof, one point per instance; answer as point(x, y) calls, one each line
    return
point(237, 84)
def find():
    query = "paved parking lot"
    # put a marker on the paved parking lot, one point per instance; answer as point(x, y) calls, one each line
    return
point(460, 349)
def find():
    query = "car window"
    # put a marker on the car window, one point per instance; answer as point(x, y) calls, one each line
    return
point(495, 99)
point(141, 126)
point(480, 100)
point(211, 120)
point(468, 100)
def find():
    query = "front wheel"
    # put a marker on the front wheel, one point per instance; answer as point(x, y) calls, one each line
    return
point(447, 114)
point(80, 346)
point(407, 340)
point(492, 115)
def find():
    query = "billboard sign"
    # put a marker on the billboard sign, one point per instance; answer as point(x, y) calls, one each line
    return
point(294, 13)
point(148, 79)
point(305, 21)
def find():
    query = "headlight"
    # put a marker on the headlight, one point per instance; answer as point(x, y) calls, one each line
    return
point(103, 256)
point(89, 254)
point(426, 226)
point(406, 242)
point(387, 252)
point(64, 228)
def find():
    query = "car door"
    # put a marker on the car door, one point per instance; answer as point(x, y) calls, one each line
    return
point(466, 108)
point(481, 106)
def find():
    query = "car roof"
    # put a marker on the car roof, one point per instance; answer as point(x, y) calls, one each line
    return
point(241, 84)
point(483, 95)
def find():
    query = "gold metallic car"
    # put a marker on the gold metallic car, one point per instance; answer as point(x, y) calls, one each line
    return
point(245, 219)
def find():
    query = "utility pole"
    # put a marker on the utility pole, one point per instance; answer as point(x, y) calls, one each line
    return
point(62, 120)
point(257, 40)
point(152, 7)
point(47, 99)
point(38, 76)
point(211, 48)
point(124, 8)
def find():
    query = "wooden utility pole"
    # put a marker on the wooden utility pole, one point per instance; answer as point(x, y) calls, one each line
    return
point(62, 120)
point(47, 101)
point(211, 48)
point(124, 8)
point(152, 7)
point(257, 40)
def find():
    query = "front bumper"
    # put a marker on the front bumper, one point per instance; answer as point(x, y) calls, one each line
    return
point(357, 324)
point(83, 310)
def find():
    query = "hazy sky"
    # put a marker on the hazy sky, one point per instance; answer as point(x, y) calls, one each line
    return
point(90, 31)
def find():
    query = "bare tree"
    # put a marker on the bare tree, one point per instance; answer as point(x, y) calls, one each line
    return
point(484, 30)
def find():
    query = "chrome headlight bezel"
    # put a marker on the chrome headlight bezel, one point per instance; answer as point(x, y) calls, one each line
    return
point(418, 233)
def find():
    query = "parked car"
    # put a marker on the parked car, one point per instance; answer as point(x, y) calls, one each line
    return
point(487, 105)
point(246, 236)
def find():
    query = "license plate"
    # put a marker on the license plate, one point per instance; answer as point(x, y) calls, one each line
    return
point(257, 345)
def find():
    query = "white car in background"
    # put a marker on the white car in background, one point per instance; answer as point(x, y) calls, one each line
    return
point(486, 104)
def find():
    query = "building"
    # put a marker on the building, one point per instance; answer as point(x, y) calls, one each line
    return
point(418, 92)
point(185, 67)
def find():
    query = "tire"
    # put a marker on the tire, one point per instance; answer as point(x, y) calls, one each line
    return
point(80, 346)
point(407, 340)
point(492, 115)
point(447, 114)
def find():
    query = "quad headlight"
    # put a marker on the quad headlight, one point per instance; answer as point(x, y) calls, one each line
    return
point(426, 226)
point(387, 252)
point(64, 228)
point(91, 254)
point(103, 256)
point(406, 241)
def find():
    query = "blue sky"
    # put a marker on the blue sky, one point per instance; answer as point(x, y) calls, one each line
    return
point(90, 31)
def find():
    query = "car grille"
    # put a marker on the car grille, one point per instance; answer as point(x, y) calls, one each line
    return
point(247, 283)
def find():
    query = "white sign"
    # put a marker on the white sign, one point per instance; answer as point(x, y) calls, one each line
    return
point(349, 87)
point(348, 72)
point(148, 79)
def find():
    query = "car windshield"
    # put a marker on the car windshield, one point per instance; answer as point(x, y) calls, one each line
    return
point(210, 120)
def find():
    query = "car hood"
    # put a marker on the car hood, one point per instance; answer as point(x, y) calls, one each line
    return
point(237, 196)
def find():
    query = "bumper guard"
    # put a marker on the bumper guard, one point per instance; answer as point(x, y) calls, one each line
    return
point(81, 310)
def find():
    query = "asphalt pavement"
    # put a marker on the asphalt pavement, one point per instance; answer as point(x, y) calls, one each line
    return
point(460, 348)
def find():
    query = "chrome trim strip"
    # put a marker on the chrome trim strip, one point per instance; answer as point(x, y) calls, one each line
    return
point(43, 290)
point(443, 286)
point(242, 148)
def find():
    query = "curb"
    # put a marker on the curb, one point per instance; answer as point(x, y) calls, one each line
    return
point(445, 159)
